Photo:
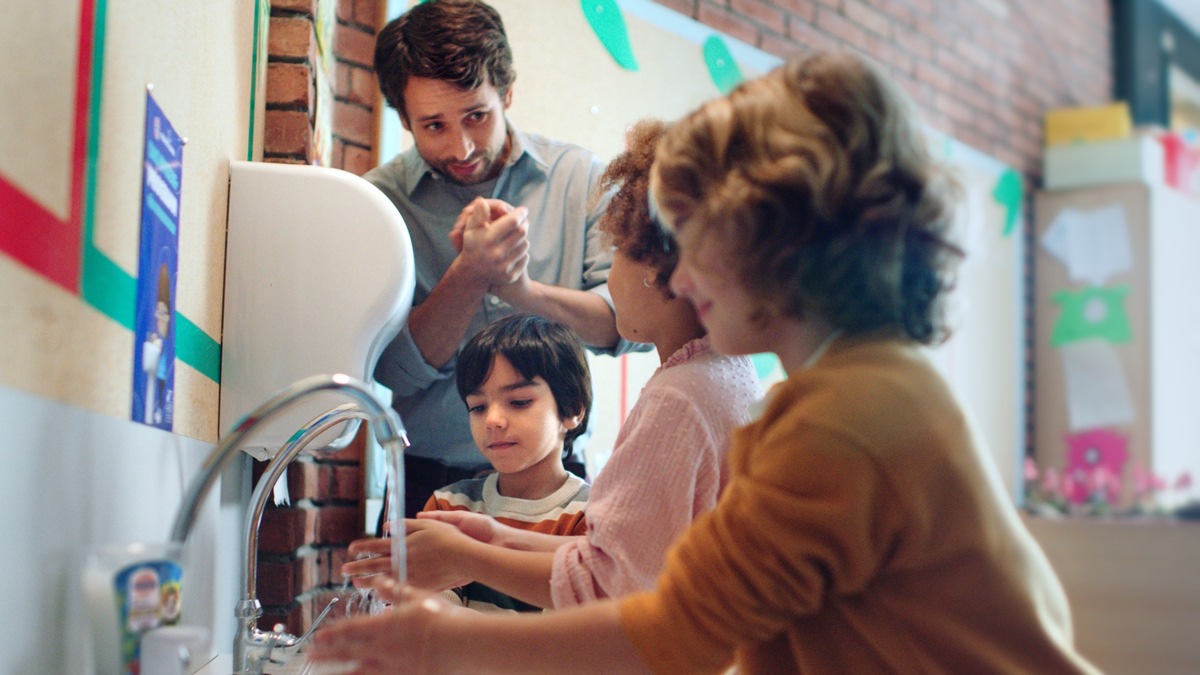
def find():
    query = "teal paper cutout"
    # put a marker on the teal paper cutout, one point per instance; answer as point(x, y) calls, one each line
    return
point(1010, 192)
point(722, 67)
point(1092, 313)
point(609, 25)
point(765, 364)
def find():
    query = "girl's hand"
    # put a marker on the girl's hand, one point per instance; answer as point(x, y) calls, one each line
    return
point(475, 525)
point(395, 641)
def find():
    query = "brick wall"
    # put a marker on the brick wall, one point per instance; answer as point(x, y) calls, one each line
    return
point(302, 546)
point(982, 71)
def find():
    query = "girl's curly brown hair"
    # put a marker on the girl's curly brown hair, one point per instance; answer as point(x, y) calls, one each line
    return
point(627, 221)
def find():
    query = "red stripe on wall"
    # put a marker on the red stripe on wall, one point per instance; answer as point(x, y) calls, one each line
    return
point(37, 238)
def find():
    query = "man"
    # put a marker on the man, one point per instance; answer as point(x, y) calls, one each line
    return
point(446, 67)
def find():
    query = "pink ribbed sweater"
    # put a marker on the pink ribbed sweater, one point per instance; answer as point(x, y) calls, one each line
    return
point(667, 467)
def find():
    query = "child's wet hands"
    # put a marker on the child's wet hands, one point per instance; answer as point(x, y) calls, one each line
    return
point(437, 555)
point(394, 641)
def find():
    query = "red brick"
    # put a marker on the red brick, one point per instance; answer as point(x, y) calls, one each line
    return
point(287, 132)
point(867, 17)
point(279, 582)
point(306, 481)
point(364, 88)
point(727, 22)
point(292, 39)
point(357, 160)
point(289, 84)
point(347, 482)
point(762, 13)
point(684, 7)
point(837, 25)
point(354, 45)
point(339, 524)
point(308, 7)
point(366, 12)
point(283, 530)
point(353, 123)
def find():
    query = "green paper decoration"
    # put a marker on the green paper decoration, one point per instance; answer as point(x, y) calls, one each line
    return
point(1010, 192)
point(765, 364)
point(722, 67)
point(1092, 313)
point(604, 16)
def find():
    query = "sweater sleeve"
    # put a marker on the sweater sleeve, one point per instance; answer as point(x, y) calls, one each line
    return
point(665, 469)
point(805, 514)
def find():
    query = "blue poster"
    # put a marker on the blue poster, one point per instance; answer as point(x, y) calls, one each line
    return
point(158, 261)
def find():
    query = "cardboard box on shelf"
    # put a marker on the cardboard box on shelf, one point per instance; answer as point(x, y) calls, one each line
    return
point(1138, 159)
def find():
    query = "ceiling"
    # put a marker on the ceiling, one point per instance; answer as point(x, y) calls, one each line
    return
point(1187, 10)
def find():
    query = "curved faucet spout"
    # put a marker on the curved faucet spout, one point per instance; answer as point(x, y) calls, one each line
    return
point(384, 423)
point(253, 647)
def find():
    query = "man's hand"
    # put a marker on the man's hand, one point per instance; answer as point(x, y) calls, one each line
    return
point(492, 240)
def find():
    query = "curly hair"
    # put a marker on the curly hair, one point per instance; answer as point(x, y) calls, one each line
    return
point(816, 180)
point(536, 347)
point(627, 221)
point(459, 41)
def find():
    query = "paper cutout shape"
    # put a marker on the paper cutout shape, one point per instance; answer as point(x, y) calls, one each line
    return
point(1097, 392)
point(722, 67)
point(607, 22)
point(1094, 245)
point(1010, 193)
point(765, 365)
point(1092, 313)
point(1095, 462)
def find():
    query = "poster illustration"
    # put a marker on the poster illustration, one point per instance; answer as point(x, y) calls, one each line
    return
point(158, 260)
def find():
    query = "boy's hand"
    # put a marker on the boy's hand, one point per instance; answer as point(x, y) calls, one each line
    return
point(438, 555)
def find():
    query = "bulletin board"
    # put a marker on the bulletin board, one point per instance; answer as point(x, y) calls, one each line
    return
point(586, 70)
point(71, 179)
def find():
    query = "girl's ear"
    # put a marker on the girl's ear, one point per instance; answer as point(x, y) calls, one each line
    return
point(572, 422)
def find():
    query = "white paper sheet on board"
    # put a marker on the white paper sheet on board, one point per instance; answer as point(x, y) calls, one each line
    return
point(1097, 391)
point(1094, 245)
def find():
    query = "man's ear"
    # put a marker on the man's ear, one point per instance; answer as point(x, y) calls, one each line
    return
point(404, 121)
point(507, 100)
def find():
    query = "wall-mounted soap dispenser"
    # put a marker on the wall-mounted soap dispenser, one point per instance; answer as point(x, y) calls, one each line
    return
point(318, 279)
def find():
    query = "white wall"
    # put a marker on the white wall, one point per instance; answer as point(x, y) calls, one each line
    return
point(73, 480)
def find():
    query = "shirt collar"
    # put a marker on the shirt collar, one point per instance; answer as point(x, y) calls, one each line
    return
point(416, 169)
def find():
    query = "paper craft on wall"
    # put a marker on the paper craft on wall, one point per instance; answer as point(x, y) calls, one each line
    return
point(1010, 193)
point(1097, 391)
point(1092, 313)
point(721, 65)
point(1095, 461)
point(604, 16)
point(1094, 245)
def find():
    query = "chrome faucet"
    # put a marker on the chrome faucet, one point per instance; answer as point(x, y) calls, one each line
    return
point(253, 648)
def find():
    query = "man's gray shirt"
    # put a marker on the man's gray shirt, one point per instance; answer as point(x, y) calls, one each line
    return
point(555, 181)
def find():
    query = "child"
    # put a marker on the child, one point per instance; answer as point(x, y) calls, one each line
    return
point(864, 528)
point(669, 462)
point(527, 389)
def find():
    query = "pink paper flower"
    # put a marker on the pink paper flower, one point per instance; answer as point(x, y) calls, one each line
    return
point(1089, 452)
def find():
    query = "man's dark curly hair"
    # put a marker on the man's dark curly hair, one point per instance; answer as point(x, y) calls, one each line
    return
point(458, 41)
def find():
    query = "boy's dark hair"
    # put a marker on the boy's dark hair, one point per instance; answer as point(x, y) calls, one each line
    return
point(458, 41)
point(536, 347)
